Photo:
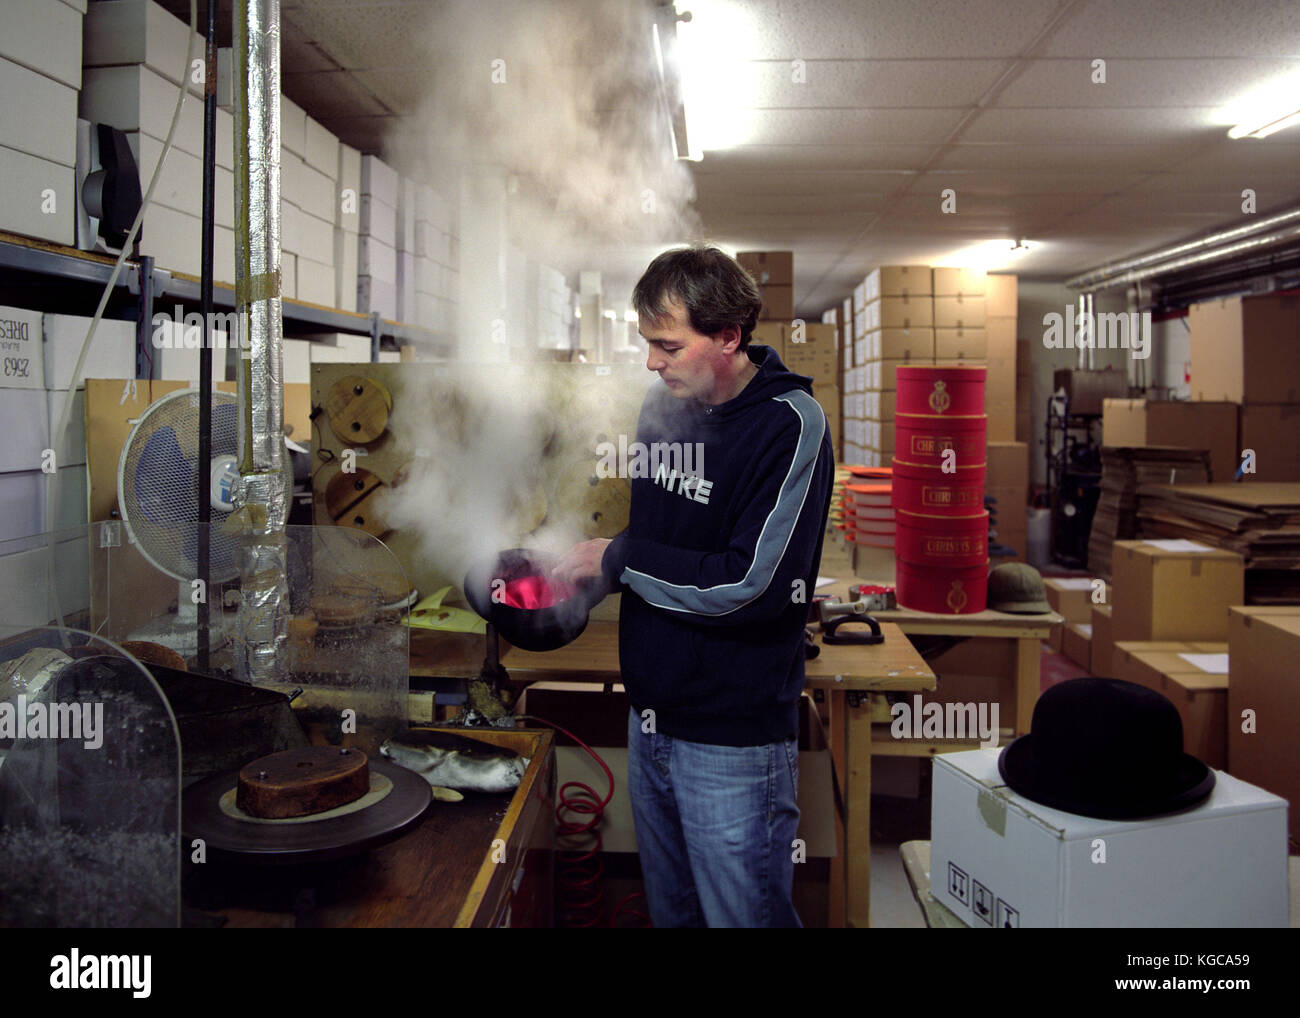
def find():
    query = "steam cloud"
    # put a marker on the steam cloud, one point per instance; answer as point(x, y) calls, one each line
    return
point(577, 136)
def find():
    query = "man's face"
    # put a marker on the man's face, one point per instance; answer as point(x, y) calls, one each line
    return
point(690, 363)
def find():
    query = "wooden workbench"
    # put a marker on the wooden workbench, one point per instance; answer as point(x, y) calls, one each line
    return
point(486, 861)
point(1010, 642)
point(847, 674)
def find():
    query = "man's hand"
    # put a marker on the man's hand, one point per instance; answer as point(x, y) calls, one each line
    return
point(581, 562)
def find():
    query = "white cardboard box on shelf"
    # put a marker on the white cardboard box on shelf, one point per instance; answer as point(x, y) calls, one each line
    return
point(21, 349)
point(290, 227)
point(317, 193)
point(317, 238)
point(347, 194)
point(377, 260)
point(134, 98)
point(29, 570)
point(377, 295)
point(181, 185)
point(111, 354)
point(177, 359)
point(69, 449)
point(24, 421)
point(379, 180)
point(288, 274)
point(998, 859)
point(44, 122)
point(405, 239)
point(174, 239)
point(38, 197)
point(346, 255)
point(315, 281)
point(405, 286)
point(321, 149)
point(297, 361)
point(140, 32)
point(44, 37)
point(24, 498)
point(293, 127)
point(378, 220)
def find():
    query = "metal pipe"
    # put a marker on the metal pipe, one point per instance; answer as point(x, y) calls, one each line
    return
point(1104, 277)
point(261, 495)
point(205, 307)
point(1241, 247)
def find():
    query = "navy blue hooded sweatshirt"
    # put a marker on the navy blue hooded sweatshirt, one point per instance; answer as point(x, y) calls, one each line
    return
point(712, 617)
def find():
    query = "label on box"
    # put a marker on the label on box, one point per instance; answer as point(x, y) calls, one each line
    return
point(22, 357)
point(1072, 583)
point(1179, 544)
point(1215, 664)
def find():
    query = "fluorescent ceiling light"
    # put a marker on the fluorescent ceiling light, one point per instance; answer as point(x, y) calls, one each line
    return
point(629, 316)
point(1262, 127)
point(989, 255)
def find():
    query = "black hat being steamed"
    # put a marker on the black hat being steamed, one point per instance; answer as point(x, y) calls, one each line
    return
point(1108, 749)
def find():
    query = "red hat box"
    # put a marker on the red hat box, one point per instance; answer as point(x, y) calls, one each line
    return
point(956, 390)
point(944, 591)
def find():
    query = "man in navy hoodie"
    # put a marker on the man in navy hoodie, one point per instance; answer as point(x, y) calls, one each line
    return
point(716, 568)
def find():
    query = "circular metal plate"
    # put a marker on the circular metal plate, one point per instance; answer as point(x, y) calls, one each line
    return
point(285, 844)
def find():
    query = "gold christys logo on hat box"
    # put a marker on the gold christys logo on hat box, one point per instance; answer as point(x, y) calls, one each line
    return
point(956, 596)
point(940, 400)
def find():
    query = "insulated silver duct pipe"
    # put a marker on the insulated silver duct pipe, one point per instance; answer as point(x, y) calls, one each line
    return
point(1224, 244)
point(261, 497)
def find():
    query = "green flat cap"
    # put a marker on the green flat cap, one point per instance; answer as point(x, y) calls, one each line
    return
point(1018, 588)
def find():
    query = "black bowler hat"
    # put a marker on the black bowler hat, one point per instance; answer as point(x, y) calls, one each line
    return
point(1107, 749)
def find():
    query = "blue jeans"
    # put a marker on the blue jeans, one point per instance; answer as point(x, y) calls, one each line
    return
point(714, 828)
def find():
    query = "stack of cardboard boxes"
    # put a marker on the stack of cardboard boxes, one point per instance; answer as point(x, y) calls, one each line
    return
point(377, 257)
point(134, 56)
point(309, 194)
point(773, 271)
point(40, 75)
point(1246, 350)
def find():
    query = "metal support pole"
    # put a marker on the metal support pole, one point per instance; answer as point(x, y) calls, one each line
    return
point(144, 319)
point(205, 307)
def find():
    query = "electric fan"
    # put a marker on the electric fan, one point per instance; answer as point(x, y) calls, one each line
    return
point(157, 493)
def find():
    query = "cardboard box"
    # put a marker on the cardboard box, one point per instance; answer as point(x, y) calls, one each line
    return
point(810, 351)
point(21, 352)
point(1007, 466)
point(898, 281)
point(111, 354)
point(1103, 642)
point(44, 123)
point(999, 859)
point(377, 295)
point(901, 344)
point(962, 312)
point(379, 180)
point(1076, 643)
point(1270, 431)
point(1263, 648)
point(1071, 596)
point(778, 303)
point(1173, 590)
point(1210, 426)
point(769, 268)
point(44, 37)
point(377, 260)
point(181, 185)
point(959, 282)
point(26, 180)
point(140, 32)
point(315, 282)
point(960, 344)
point(1000, 296)
point(1194, 678)
point(1012, 512)
point(320, 148)
point(1246, 349)
point(347, 255)
point(901, 313)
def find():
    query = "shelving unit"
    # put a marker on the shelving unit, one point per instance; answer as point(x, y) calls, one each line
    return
point(84, 274)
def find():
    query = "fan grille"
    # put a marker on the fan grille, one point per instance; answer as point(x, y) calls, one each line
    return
point(158, 478)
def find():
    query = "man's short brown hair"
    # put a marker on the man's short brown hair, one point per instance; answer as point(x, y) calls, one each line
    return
point(712, 286)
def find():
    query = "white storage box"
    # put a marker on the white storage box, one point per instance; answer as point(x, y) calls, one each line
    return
point(378, 220)
point(377, 295)
point(135, 98)
point(22, 357)
point(293, 127)
point(43, 36)
point(379, 180)
point(315, 282)
point(38, 198)
point(181, 184)
point(140, 32)
point(24, 421)
point(345, 269)
point(998, 859)
point(111, 354)
point(321, 149)
point(317, 237)
point(377, 260)
point(39, 115)
point(317, 194)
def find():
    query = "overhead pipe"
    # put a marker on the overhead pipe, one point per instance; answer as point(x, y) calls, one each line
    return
point(260, 497)
point(1218, 245)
